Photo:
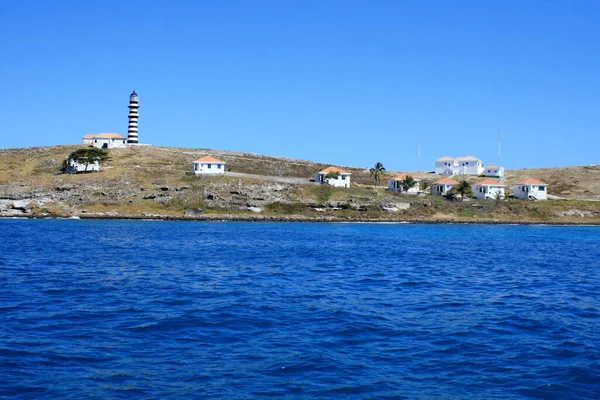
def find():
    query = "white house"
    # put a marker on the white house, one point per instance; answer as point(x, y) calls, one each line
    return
point(106, 140)
point(494, 171)
point(395, 184)
point(443, 186)
point(209, 165)
point(468, 165)
point(445, 165)
point(531, 188)
point(74, 167)
point(342, 180)
point(488, 189)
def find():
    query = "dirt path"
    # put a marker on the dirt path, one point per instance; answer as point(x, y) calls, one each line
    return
point(282, 179)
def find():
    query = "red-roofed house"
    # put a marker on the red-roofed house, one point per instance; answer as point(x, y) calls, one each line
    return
point(488, 189)
point(209, 165)
point(443, 186)
point(532, 189)
point(396, 183)
point(342, 180)
point(106, 140)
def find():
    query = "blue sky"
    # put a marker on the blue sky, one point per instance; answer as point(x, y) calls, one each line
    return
point(342, 82)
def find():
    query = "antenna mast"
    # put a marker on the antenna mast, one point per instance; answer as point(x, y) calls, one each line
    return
point(419, 150)
point(499, 138)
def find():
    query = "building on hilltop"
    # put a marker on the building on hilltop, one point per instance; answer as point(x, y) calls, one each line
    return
point(443, 186)
point(532, 189)
point(333, 176)
point(488, 189)
point(208, 165)
point(397, 184)
point(132, 129)
point(468, 165)
point(494, 171)
point(105, 140)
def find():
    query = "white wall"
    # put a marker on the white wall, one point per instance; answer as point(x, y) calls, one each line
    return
point(445, 167)
point(495, 172)
point(208, 168)
point(396, 185)
point(74, 167)
point(469, 168)
point(110, 143)
point(342, 181)
point(487, 192)
point(440, 189)
point(539, 192)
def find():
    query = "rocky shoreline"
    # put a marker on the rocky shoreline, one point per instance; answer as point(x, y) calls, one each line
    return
point(296, 218)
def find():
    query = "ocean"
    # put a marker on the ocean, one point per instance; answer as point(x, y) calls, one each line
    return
point(241, 310)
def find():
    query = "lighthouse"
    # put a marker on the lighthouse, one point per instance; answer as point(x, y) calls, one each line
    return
point(132, 130)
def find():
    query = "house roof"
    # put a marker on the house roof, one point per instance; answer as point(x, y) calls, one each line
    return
point(445, 158)
point(110, 136)
point(493, 166)
point(531, 181)
point(467, 158)
point(403, 176)
point(488, 182)
point(334, 169)
point(445, 181)
point(104, 136)
point(209, 159)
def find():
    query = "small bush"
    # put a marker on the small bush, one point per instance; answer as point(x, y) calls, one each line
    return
point(278, 207)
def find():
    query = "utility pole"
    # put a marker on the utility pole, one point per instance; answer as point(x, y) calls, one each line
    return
point(419, 150)
point(499, 138)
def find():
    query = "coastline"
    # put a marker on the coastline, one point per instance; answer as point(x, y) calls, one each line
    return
point(300, 218)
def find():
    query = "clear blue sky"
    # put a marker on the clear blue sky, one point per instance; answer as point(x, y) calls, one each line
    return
point(342, 82)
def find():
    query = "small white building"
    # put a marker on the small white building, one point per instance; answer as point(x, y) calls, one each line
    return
point(209, 165)
point(532, 189)
point(74, 167)
point(396, 183)
point(488, 189)
point(106, 140)
point(443, 186)
point(494, 171)
point(468, 165)
point(445, 165)
point(342, 180)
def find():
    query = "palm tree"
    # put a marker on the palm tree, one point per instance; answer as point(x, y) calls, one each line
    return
point(464, 189)
point(424, 185)
point(377, 172)
point(408, 183)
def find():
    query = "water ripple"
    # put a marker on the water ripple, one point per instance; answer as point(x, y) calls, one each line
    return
point(148, 309)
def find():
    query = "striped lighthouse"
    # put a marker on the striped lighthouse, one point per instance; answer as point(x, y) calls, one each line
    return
point(132, 130)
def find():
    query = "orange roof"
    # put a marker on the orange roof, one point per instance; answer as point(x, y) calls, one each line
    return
point(531, 181)
point(104, 136)
point(209, 159)
point(493, 166)
point(333, 169)
point(403, 176)
point(488, 182)
point(445, 181)
point(110, 136)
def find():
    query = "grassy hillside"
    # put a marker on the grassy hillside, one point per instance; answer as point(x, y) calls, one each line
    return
point(157, 181)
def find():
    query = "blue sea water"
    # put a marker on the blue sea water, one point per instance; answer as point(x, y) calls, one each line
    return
point(155, 309)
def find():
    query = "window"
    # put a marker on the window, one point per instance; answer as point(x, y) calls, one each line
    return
point(542, 188)
point(218, 166)
point(195, 167)
point(209, 165)
point(343, 177)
